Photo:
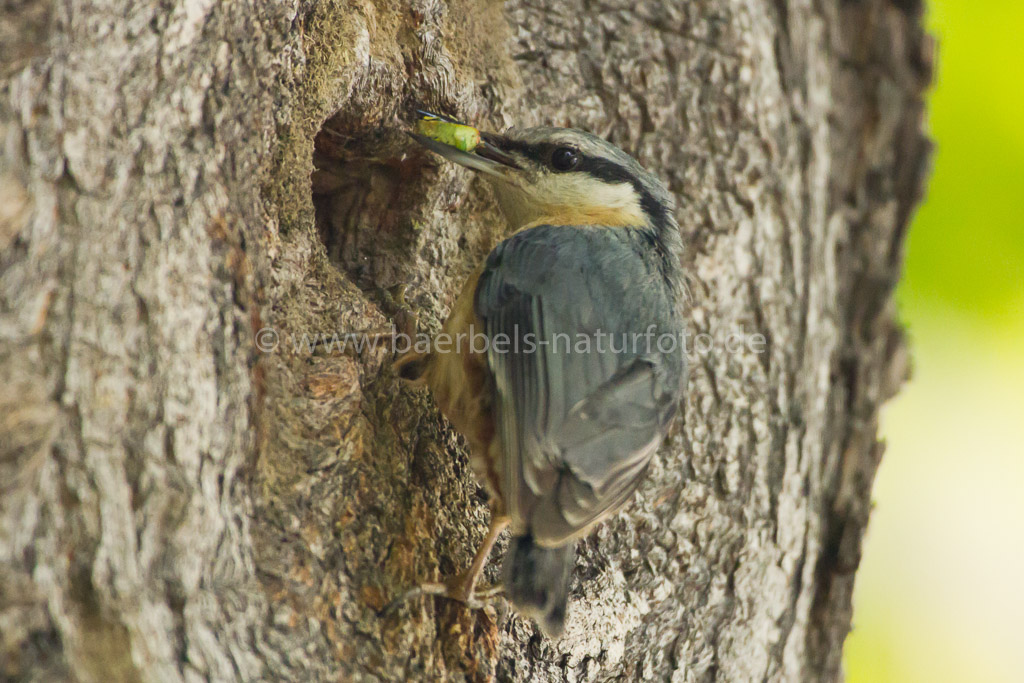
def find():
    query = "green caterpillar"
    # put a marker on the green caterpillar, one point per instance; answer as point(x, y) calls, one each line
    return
point(458, 135)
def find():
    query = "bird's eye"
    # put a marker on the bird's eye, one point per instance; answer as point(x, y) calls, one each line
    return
point(564, 159)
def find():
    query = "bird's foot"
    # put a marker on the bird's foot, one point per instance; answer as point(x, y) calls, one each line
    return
point(458, 590)
point(462, 588)
point(395, 305)
point(410, 363)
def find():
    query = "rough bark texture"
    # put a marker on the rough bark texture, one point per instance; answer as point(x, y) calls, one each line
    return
point(177, 504)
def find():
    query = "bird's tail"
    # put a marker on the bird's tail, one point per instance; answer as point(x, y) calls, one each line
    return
point(537, 581)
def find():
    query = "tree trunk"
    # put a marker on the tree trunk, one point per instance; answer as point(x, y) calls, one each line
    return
point(191, 492)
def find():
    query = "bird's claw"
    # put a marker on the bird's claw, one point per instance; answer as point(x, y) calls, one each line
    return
point(470, 598)
point(406, 322)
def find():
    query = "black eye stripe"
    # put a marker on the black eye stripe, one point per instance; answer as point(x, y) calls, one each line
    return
point(539, 152)
point(608, 171)
point(611, 172)
point(602, 169)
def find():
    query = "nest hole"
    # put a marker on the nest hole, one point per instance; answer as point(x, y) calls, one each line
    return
point(368, 191)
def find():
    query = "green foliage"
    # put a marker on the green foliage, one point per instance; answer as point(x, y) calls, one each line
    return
point(938, 593)
point(966, 247)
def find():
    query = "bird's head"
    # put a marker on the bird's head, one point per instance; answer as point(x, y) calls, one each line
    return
point(559, 176)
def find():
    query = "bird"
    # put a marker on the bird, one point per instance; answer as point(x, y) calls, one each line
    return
point(559, 435)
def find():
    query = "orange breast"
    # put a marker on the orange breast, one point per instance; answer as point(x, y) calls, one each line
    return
point(461, 382)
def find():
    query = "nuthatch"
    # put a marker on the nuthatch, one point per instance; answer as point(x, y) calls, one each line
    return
point(584, 366)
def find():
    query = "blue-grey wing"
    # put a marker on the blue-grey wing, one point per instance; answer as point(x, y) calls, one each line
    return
point(587, 374)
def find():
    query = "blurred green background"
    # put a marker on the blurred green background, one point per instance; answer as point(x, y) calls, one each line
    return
point(940, 592)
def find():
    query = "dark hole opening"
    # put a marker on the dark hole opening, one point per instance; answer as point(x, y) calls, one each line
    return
point(368, 190)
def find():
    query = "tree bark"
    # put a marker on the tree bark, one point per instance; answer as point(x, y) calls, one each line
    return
point(181, 182)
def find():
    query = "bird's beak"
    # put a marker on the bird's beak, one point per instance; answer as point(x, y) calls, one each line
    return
point(485, 156)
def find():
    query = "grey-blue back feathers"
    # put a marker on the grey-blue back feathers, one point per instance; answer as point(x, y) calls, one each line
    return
point(578, 427)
